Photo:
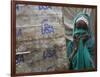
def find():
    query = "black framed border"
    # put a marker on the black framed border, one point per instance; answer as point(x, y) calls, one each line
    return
point(13, 36)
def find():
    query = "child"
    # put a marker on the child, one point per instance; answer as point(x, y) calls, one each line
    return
point(80, 50)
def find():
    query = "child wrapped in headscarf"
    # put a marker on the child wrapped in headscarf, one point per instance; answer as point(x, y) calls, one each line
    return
point(80, 50)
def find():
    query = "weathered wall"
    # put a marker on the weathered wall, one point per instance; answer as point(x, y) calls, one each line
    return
point(40, 31)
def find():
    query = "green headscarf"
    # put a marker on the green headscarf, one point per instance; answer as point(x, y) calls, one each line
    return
point(83, 57)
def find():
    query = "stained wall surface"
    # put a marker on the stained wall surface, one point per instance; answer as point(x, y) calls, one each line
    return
point(41, 45)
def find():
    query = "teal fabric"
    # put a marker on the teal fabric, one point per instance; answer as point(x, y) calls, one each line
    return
point(84, 53)
point(82, 59)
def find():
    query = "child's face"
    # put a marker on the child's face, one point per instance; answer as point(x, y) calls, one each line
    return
point(82, 30)
point(81, 25)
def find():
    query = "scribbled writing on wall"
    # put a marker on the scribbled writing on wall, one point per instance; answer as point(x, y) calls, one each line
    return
point(44, 7)
point(19, 58)
point(18, 32)
point(50, 52)
point(47, 28)
point(17, 7)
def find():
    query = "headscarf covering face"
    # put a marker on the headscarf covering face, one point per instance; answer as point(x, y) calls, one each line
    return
point(81, 27)
point(82, 58)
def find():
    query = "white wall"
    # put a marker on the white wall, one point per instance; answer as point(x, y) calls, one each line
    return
point(5, 47)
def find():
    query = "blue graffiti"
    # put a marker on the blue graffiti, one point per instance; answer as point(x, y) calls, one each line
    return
point(17, 7)
point(44, 7)
point(19, 58)
point(49, 53)
point(18, 32)
point(46, 29)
